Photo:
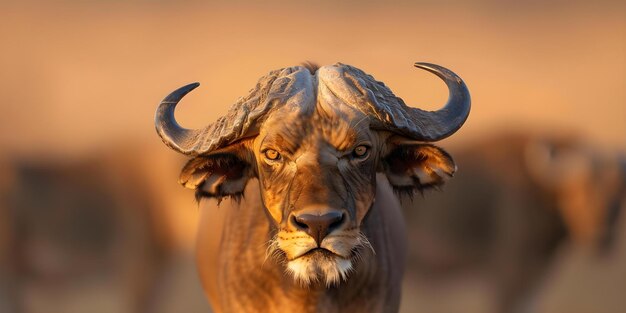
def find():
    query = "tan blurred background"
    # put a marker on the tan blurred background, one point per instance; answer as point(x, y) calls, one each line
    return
point(80, 81)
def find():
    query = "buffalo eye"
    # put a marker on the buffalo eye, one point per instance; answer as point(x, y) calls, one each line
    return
point(272, 154)
point(360, 152)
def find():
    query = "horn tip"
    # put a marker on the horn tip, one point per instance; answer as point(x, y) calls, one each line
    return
point(190, 87)
point(440, 71)
point(428, 66)
point(422, 64)
point(181, 92)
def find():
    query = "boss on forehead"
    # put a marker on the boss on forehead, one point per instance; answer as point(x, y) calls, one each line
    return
point(329, 87)
point(324, 144)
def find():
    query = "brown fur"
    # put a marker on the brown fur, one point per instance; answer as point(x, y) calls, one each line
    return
point(231, 257)
point(326, 233)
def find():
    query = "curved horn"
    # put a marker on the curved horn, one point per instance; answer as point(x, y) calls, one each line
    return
point(241, 120)
point(447, 120)
point(391, 113)
point(173, 135)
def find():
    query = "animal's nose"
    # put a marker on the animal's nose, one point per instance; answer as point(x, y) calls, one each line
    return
point(318, 226)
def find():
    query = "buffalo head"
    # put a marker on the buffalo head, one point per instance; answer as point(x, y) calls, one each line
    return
point(316, 139)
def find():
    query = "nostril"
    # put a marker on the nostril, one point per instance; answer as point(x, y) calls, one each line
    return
point(298, 223)
point(318, 226)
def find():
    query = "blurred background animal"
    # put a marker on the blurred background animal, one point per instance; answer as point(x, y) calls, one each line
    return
point(518, 198)
point(84, 229)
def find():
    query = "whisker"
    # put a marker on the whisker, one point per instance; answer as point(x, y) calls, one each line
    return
point(272, 249)
point(363, 241)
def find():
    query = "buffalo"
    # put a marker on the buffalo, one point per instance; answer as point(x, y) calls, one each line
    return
point(311, 156)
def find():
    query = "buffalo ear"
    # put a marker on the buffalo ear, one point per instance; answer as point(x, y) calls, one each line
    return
point(216, 176)
point(411, 167)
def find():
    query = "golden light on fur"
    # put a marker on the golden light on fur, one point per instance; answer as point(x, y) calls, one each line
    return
point(331, 263)
point(324, 144)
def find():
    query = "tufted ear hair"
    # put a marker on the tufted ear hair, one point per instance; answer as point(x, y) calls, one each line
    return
point(223, 173)
point(414, 167)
